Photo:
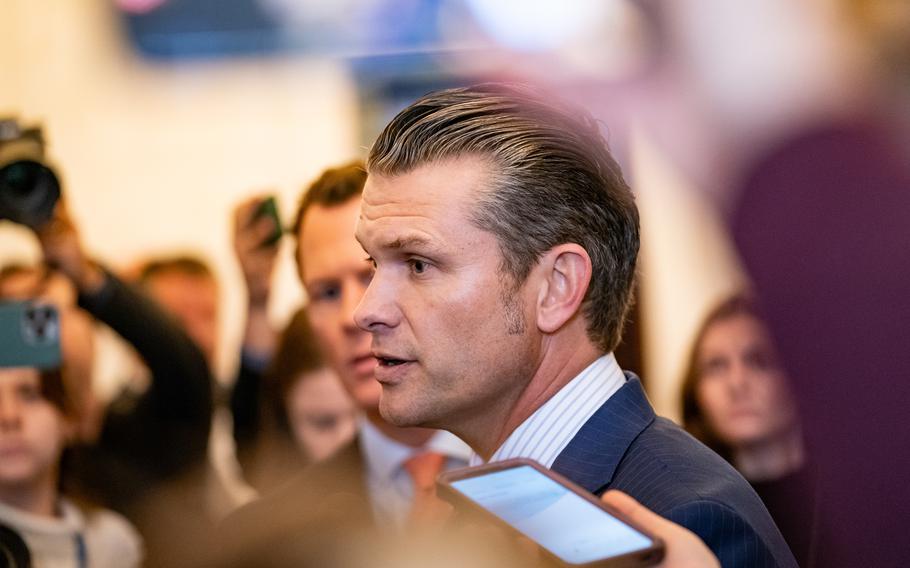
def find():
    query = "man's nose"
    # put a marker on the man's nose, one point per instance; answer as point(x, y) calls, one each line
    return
point(377, 308)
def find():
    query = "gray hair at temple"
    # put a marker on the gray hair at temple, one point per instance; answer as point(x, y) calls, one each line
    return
point(553, 182)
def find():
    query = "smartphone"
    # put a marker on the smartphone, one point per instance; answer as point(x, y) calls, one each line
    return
point(572, 526)
point(268, 207)
point(29, 335)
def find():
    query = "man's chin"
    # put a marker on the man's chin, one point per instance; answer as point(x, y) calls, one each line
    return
point(398, 416)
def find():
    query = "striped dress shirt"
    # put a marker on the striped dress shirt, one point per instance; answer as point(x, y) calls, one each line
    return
point(546, 433)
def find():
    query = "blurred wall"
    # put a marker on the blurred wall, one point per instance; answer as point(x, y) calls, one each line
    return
point(154, 158)
point(687, 265)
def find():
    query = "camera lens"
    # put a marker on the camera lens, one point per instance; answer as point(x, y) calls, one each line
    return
point(20, 177)
point(28, 192)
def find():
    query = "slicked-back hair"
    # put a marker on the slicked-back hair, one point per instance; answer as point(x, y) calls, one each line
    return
point(553, 181)
point(335, 186)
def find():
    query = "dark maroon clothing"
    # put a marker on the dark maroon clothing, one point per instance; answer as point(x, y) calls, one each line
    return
point(823, 225)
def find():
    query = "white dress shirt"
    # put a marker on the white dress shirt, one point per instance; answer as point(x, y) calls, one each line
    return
point(547, 432)
point(389, 484)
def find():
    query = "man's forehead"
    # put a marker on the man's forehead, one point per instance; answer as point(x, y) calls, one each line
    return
point(327, 249)
point(432, 195)
point(432, 183)
point(328, 226)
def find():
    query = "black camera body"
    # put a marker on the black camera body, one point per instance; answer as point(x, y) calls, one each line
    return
point(29, 188)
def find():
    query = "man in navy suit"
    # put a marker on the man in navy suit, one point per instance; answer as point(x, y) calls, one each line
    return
point(504, 241)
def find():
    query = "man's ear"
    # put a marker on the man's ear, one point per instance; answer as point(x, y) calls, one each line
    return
point(565, 274)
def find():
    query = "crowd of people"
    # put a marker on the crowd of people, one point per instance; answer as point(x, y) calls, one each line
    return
point(466, 288)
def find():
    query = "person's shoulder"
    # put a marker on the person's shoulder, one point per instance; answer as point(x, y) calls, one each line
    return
point(323, 501)
point(111, 539)
point(735, 538)
point(341, 477)
point(685, 481)
point(697, 472)
point(680, 450)
point(343, 471)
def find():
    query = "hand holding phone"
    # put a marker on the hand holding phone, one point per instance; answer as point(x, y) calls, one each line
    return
point(257, 229)
point(570, 525)
point(29, 335)
point(268, 209)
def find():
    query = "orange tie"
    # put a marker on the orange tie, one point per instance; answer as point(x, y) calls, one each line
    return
point(423, 469)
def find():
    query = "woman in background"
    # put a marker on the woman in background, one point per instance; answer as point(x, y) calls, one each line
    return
point(37, 420)
point(737, 401)
point(305, 413)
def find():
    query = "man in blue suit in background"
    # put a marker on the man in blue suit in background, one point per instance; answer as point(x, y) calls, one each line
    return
point(504, 241)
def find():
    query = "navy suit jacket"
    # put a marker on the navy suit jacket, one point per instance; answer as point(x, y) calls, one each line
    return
point(626, 446)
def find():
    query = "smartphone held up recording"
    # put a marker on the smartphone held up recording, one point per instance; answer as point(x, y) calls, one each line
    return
point(571, 525)
point(29, 335)
point(268, 208)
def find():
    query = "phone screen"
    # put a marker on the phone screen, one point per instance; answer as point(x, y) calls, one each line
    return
point(555, 517)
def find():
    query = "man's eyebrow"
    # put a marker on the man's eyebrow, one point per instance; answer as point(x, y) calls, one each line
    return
point(408, 241)
point(405, 242)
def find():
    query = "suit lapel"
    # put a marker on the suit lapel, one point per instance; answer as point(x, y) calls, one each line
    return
point(591, 458)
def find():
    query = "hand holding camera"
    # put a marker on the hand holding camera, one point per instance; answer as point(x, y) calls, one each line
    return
point(63, 251)
point(30, 195)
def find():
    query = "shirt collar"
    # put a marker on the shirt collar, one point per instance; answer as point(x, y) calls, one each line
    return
point(70, 521)
point(544, 434)
point(385, 456)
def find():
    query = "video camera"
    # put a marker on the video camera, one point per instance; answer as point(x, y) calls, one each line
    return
point(29, 188)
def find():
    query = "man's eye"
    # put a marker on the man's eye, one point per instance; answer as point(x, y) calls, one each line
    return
point(418, 266)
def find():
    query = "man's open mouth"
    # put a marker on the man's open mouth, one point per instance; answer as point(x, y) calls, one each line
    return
point(390, 362)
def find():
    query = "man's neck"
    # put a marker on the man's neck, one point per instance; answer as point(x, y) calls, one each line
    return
point(414, 437)
point(37, 497)
point(550, 376)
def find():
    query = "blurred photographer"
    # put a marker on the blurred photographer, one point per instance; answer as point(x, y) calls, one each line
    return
point(77, 333)
point(39, 413)
point(29, 188)
point(149, 444)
